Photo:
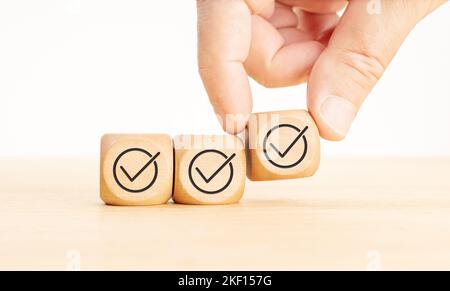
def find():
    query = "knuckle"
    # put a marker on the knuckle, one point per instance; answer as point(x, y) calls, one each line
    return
point(265, 79)
point(365, 69)
point(259, 73)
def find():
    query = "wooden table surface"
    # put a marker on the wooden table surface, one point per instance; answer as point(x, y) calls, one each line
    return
point(354, 214)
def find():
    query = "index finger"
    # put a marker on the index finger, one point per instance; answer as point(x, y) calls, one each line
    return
point(224, 35)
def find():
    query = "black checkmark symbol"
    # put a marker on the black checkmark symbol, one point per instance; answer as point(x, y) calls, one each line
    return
point(207, 180)
point(141, 170)
point(299, 136)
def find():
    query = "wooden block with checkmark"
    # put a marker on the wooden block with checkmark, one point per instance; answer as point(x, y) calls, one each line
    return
point(136, 169)
point(282, 145)
point(209, 169)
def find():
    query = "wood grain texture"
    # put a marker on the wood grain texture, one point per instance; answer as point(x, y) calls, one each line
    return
point(136, 169)
point(209, 170)
point(282, 145)
point(354, 214)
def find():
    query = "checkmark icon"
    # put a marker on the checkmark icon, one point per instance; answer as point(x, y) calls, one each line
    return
point(291, 145)
point(207, 180)
point(133, 178)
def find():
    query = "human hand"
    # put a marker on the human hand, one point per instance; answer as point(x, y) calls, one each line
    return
point(284, 42)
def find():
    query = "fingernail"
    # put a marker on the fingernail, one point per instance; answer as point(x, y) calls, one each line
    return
point(338, 113)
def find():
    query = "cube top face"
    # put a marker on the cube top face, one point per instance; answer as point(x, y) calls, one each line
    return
point(209, 169)
point(136, 169)
point(282, 145)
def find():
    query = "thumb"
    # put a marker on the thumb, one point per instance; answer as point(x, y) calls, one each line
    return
point(361, 47)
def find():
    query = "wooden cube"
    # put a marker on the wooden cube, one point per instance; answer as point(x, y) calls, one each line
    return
point(282, 145)
point(209, 169)
point(136, 169)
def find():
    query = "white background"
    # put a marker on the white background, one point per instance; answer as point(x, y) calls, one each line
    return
point(71, 70)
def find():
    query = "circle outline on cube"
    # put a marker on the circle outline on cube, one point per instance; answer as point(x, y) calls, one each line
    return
point(305, 142)
point(116, 162)
point(191, 163)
